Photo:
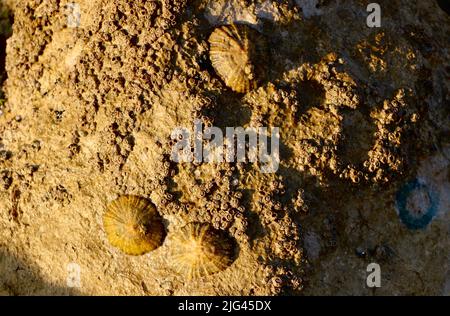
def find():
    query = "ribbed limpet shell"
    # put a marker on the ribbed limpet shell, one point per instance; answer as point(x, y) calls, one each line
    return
point(133, 225)
point(239, 55)
point(199, 250)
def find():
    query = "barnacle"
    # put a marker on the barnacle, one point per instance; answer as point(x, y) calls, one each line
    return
point(239, 55)
point(200, 250)
point(133, 225)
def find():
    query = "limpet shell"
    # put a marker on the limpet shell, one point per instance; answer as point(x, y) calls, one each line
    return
point(199, 250)
point(133, 225)
point(239, 55)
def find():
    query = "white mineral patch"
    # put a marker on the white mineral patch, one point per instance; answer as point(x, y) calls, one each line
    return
point(434, 172)
point(268, 11)
point(233, 11)
point(309, 7)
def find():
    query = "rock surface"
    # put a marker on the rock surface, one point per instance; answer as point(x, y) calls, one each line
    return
point(91, 107)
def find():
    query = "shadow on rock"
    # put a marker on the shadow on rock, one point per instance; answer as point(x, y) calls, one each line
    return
point(21, 278)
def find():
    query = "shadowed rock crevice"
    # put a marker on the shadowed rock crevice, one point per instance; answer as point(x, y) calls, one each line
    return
point(6, 21)
point(311, 94)
point(358, 137)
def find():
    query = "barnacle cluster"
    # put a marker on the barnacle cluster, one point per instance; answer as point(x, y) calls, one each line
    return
point(326, 122)
point(216, 199)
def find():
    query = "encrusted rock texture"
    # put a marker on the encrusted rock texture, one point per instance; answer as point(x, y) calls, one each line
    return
point(89, 110)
